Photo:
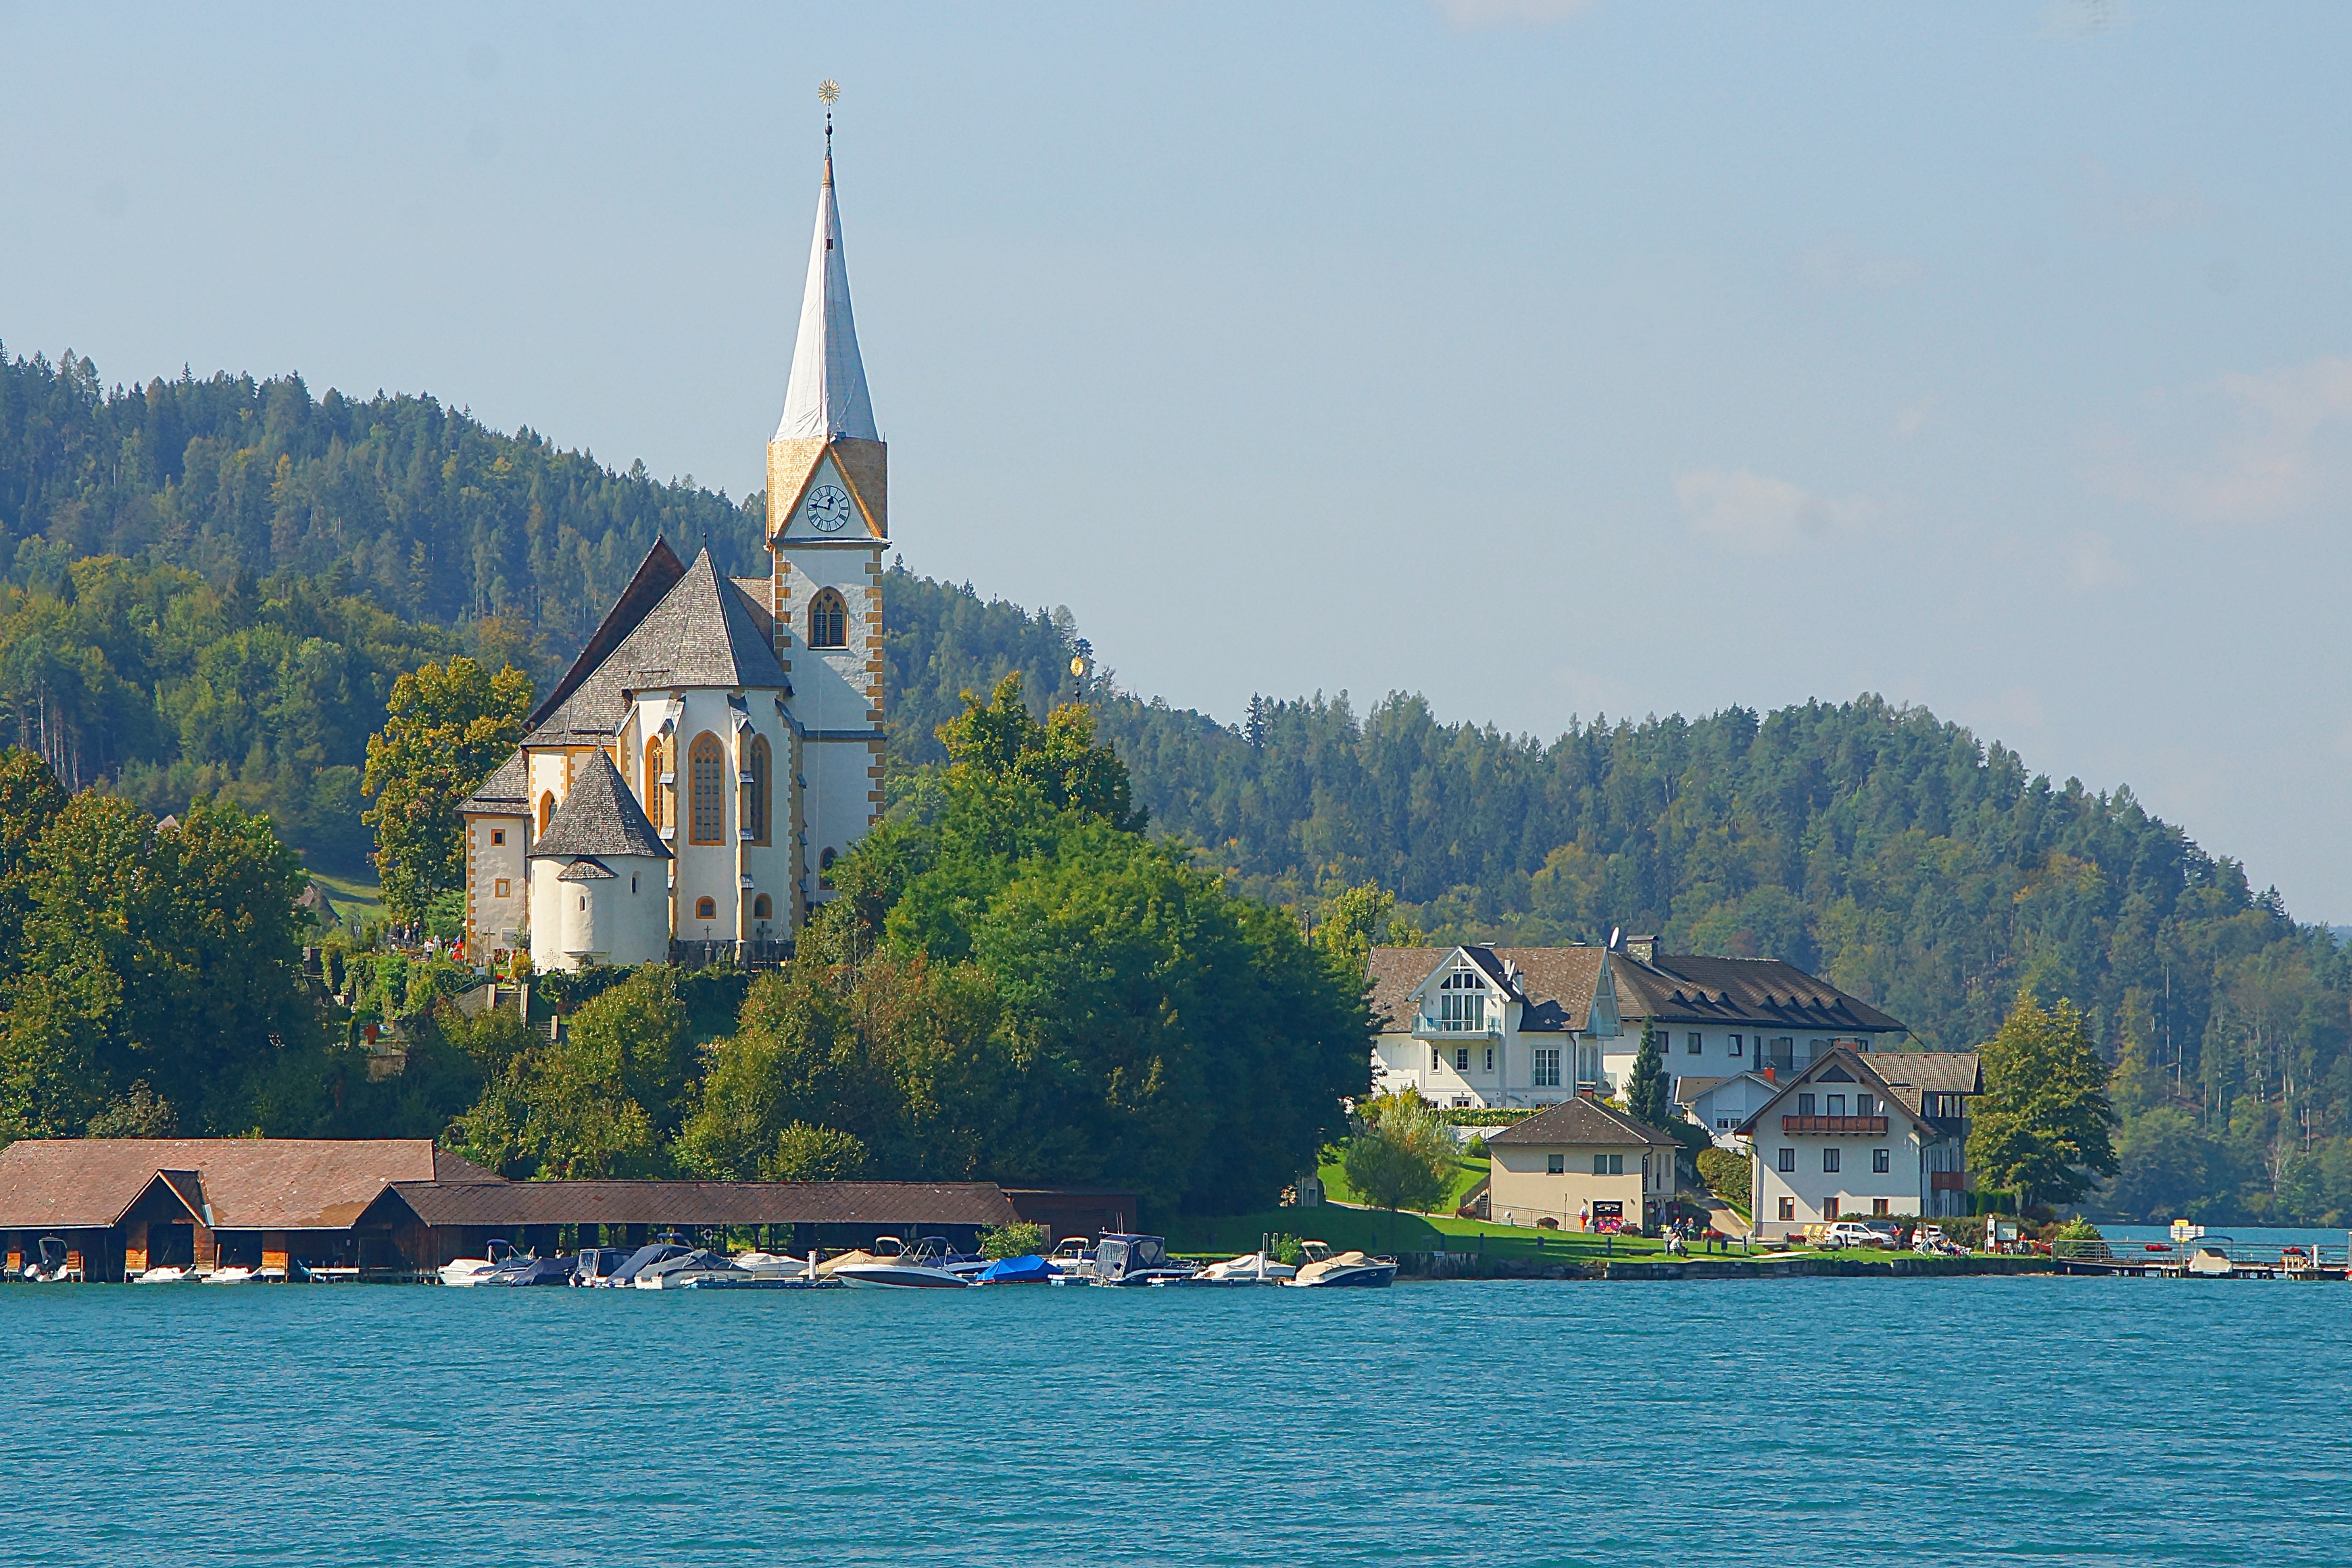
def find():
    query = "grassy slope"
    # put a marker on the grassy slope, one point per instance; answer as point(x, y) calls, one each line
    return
point(355, 899)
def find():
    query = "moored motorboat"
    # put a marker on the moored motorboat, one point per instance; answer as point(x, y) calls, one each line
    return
point(1127, 1260)
point(924, 1267)
point(537, 1271)
point(1027, 1269)
point(236, 1274)
point(472, 1271)
point(1325, 1269)
point(53, 1262)
point(169, 1274)
point(1249, 1269)
point(691, 1269)
point(643, 1258)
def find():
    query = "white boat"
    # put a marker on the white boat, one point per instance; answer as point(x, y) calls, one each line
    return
point(1250, 1268)
point(469, 1270)
point(694, 1268)
point(1325, 1269)
point(237, 1275)
point(53, 1263)
point(171, 1273)
point(925, 1267)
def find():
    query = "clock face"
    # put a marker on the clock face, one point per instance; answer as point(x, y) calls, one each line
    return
point(828, 509)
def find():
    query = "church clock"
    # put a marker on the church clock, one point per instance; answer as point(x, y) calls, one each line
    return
point(828, 509)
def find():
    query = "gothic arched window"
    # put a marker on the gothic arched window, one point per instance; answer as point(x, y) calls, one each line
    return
point(762, 908)
point(546, 812)
point(755, 805)
point(654, 770)
point(828, 620)
point(706, 763)
point(825, 869)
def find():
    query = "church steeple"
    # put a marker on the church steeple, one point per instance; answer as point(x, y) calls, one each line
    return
point(826, 397)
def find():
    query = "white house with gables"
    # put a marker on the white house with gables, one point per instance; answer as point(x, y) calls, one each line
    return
point(1847, 1136)
point(1480, 1026)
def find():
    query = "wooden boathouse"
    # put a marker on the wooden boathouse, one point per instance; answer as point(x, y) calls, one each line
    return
point(388, 1207)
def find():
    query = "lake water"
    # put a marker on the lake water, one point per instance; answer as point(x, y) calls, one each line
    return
point(1795, 1422)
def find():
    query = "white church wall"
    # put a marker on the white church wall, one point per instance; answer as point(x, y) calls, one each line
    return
point(497, 888)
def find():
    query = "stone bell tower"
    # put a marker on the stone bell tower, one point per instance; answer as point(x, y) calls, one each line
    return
point(828, 530)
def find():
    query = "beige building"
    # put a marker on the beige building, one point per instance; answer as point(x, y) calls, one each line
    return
point(1581, 1165)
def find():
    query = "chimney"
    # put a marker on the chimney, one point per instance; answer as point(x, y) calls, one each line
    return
point(1771, 1076)
point(1644, 947)
point(1586, 1091)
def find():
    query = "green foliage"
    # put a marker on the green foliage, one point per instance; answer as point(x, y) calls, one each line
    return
point(445, 727)
point(1649, 1096)
point(170, 958)
point(399, 500)
point(1019, 1239)
point(603, 1101)
point(1012, 984)
point(999, 741)
point(1400, 1155)
point(1353, 920)
point(2079, 1229)
point(1726, 1175)
point(138, 1114)
point(806, 1154)
point(2043, 1124)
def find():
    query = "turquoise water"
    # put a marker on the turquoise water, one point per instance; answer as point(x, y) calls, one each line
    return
point(1797, 1422)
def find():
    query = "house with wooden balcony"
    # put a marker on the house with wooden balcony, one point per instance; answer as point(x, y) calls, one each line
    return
point(1854, 1135)
point(1720, 1018)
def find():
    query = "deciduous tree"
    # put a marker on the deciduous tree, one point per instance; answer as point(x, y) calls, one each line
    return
point(2043, 1125)
point(445, 727)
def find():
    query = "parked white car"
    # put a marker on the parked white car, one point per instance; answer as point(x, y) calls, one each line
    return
point(1846, 1233)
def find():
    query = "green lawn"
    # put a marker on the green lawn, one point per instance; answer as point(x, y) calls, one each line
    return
point(355, 899)
point(1467, 1173)
point(1372, 1230)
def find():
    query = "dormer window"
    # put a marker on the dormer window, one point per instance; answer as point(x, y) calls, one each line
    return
point(1462, 1001)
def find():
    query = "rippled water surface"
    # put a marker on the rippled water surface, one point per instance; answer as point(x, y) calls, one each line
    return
point(1829, 1421)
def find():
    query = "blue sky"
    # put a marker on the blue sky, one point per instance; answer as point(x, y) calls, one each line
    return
point(1548, 358)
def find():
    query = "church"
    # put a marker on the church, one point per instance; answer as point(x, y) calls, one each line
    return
point(684, 790)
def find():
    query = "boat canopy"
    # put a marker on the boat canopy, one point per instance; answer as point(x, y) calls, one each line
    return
point(1030, 1269)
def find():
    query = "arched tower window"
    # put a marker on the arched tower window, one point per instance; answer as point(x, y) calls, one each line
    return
point(654, 770)
point(828, 620)
point(757, 796)
point(707, 762)
point(705, 908)
point(546, 811)
point(762, 908)
point(825, 869)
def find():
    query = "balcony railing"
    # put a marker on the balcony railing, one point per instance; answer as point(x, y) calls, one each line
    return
point(1948, 1181)
point(1426, 1026)
point(1872, 1125)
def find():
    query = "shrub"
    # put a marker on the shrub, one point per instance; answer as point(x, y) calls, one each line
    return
point(1726, 1175)
point(1019, 1239)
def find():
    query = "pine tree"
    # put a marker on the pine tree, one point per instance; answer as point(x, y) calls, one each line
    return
point(1648, 1095)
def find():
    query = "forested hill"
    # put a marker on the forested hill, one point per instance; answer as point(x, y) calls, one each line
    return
point(412, 504)
point(1893, 852)
point(251, 567)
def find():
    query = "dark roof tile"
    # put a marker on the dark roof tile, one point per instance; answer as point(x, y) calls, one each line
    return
point(599, 816)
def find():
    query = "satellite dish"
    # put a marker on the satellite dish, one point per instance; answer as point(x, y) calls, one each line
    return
point(1614, 932)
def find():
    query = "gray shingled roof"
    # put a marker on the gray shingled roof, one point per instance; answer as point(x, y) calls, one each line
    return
point(1554, 982)
point(1685, 988)
point(1937, 1072)
point(703, 633)
point(587, 868)
point(656, 575)
point(599, 816)
point(504, 792)
point(1581, 1121)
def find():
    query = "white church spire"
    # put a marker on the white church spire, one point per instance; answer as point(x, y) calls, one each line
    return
point(826, 397)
